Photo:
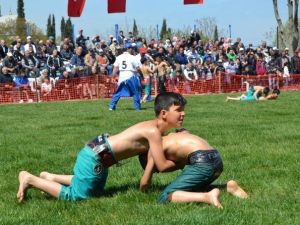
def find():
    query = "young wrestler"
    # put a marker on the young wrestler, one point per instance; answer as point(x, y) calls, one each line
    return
point(147, 73)
point(202, 165)
point(253, 93)
point(162, 69)
point(93, 161)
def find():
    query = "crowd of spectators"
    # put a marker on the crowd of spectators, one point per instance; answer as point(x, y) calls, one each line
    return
point(25, 62)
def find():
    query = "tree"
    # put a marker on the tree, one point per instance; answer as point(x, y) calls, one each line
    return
point(207, 26)
point(20, 9)
point(135, 31)
point(69, 29)
point(216, 35)
point(289, 35)
point(49, 27)
point(164, 29)
point(53, 27)
point(21, 21)
point(62, 28)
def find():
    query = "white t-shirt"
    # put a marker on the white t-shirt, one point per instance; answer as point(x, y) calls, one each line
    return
point(127, 65)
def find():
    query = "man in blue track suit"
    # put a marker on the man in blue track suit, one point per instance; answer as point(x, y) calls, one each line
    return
point(129, 83)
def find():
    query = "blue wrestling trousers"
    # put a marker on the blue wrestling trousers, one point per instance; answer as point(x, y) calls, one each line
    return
point(128, 88)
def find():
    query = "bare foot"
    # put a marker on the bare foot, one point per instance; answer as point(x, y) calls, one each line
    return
point(23, 180)
point(234, 189)
point(214, 198)
point(46, 176)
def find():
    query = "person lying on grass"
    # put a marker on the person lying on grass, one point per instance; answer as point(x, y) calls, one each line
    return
point(253, 93)
point(202, 165)
point(93, 161)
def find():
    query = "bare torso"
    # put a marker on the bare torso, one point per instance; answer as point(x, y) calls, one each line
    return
point(133, 140)
point(177, 146)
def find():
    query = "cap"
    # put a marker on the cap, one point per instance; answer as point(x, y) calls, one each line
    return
point(143, 50)
point(114, 39)
point(28, 37)
point(128, 45)
point(9, 54)
point(286, 49)
point(220, 60)
point(275, 48)
point(111, 36)
point(241, 49)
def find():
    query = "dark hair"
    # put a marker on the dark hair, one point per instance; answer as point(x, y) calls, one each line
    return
point(266, 91)
point(165, 100)
point(143, 60)
point(276, 91)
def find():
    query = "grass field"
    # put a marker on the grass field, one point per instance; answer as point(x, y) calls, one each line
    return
point(259, 143)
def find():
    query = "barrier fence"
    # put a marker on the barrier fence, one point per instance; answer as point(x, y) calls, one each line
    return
point(103, 86)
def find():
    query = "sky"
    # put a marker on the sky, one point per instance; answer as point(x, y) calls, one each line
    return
point(249, 19)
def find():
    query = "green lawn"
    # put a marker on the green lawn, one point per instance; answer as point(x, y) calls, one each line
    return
point(259, 143)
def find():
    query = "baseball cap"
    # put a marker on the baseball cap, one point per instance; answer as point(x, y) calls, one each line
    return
point(28, 37)
point(9, 54)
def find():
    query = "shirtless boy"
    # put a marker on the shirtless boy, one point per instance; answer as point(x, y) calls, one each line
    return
point(203, 165)
point(93, 161)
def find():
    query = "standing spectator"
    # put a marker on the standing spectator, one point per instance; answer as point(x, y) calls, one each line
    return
point(251, 63)
point(181, 60)
point(261, 68)
point(3, 49)
point(230, 70)
point(295, 62)
point(121, 37)
point(128, 83)
point(81, 41)
point(96, 39)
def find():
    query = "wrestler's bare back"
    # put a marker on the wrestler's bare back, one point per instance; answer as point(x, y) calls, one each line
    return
point(177, 146)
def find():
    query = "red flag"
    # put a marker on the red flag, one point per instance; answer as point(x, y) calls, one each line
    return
point(75, 7)
point(186, 2)
point(116, 6)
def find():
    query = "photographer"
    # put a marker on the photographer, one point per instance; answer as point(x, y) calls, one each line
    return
point(80, 41)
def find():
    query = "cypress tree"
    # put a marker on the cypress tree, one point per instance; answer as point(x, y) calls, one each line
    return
point(164, 30)
point(135, 31)
point(69, 29)
point(21, 21)
point(53, 29)
point(49, 27)
point(62, 28)
point(216, 35)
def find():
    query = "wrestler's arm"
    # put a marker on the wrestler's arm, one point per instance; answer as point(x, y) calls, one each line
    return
point(145, 181)
point(156, 150)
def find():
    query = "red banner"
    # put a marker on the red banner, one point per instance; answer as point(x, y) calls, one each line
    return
point(75, 7)
point(116, 6)
point(186, 2)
